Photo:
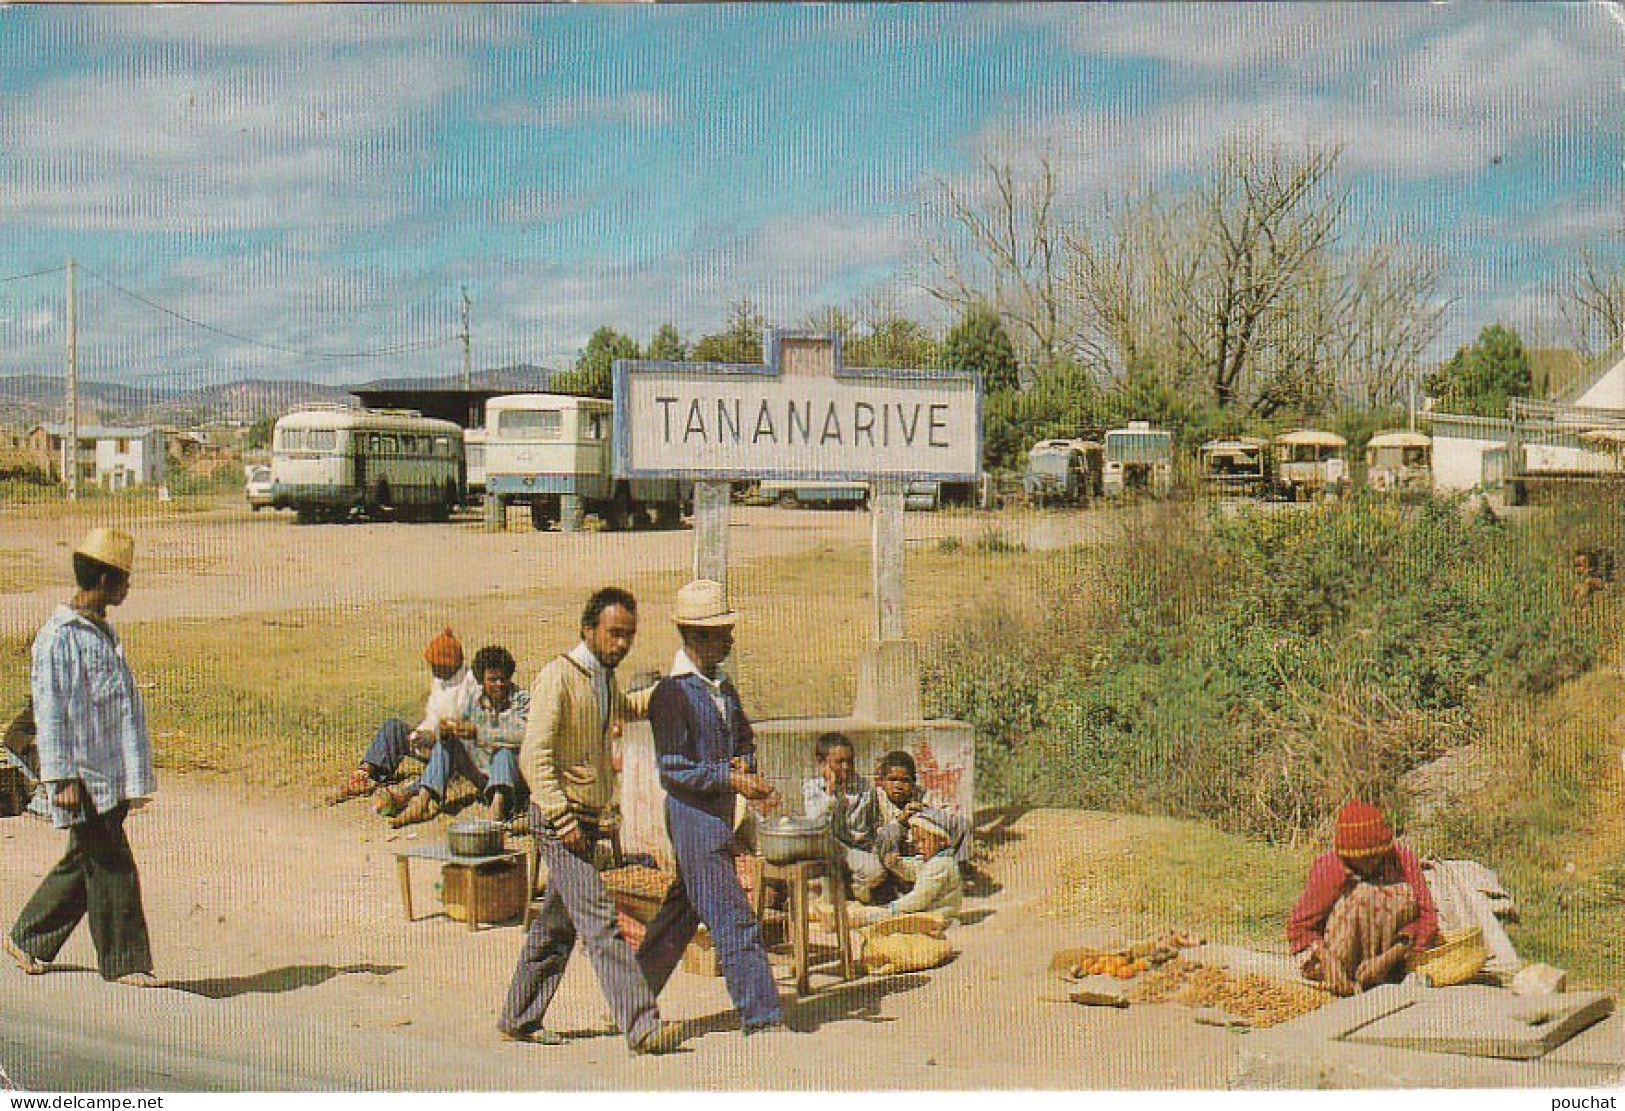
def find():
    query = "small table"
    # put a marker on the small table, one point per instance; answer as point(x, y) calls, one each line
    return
point(441, 853)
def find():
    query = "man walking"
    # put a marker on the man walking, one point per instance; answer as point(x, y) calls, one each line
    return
point(96, 759)
point(567, 761)
point(707, 757)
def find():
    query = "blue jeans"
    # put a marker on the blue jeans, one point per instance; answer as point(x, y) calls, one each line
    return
point(708, 891)
point(452, 758)
point(388, 748)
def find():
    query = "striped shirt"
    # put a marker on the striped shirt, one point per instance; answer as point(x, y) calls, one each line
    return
point(92, 725)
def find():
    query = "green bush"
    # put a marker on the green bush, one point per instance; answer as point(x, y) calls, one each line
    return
point(1254, 670)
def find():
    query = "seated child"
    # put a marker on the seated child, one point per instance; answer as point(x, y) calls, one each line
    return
point(849, 806)
point(933, 875)
point(899, 799)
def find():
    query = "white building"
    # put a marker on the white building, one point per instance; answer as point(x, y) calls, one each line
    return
point(1470, 451)
point(110, 457)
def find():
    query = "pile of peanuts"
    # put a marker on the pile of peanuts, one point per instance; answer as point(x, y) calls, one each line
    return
point(635, 879)
point(1258, 999)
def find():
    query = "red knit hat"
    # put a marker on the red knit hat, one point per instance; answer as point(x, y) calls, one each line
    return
point(444, 650)
point(1361, 832)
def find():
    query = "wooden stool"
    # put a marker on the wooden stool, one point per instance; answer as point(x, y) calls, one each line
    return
point(800, 910)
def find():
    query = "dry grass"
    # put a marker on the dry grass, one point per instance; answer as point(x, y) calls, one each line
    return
point(20, 570)
point(1549, 818)
point(1183, 874)
point(289, 701)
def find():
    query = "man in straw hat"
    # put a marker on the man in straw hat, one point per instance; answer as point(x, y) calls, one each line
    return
point(706, 753)
point(96, 756)
point(568, 760)
point(1365, 906)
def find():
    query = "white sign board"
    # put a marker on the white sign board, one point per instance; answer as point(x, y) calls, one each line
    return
point(801, 415)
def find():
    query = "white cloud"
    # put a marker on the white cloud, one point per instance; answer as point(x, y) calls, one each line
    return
point(1220, 36)
point(225, 148)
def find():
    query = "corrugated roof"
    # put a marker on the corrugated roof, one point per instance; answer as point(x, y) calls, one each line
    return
point(1311, 436)
point(1399, 439)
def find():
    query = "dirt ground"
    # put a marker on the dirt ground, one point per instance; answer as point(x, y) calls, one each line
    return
point(280, 926)
point(229, 561)
point(282, 929)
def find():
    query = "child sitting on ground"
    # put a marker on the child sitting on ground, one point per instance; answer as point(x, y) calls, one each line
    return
point(933, 875)
point(849, 808)
point(900, 799)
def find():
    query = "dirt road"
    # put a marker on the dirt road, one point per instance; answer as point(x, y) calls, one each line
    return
point(283, 932)
point(230, 562)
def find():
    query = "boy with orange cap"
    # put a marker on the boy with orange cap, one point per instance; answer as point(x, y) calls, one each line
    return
point(1364, 908)
point(453, 690)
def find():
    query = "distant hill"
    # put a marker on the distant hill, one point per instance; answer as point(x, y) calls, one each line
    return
point(30, 399)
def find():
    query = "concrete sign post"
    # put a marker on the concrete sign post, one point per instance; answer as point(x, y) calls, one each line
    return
point(711, 530)
point(802, 416)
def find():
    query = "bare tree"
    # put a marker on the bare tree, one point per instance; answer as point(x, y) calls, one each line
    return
point(1391, 314)
point(1001, 241)
point(1266, 220)
point(1594, 305)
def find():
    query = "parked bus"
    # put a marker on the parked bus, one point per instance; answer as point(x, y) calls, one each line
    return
point(1138, 458)
point(1399, 463)
point(329, 462)
point(552, 452)
point(1309, 463)
point(1235, 468)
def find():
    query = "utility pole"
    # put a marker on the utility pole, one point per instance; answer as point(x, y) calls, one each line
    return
point(71, 459)
point(467, 349)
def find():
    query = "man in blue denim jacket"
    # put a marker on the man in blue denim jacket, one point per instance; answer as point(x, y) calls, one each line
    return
point(706, 753)
point(96, 757)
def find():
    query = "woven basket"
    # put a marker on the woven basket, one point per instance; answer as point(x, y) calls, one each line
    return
point(1458, 957)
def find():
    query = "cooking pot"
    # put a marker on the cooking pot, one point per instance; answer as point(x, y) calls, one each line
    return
point(475, 837)
point(786, 840)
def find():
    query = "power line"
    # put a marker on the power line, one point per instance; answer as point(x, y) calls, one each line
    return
point(34, 274)
point(376, 353)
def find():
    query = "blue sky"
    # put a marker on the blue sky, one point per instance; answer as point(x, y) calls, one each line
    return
point(327, 179)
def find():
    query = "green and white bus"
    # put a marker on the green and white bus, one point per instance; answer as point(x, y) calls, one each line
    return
point(329, 463)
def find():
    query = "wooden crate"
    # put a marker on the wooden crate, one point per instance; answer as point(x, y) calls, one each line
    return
point(501, 889)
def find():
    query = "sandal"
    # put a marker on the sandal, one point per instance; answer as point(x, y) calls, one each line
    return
point(359, 782)
point(541, 1036)
point(25, 960)
point(140, 980)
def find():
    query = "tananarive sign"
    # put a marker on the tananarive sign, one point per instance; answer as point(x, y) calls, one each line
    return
point(801, 415)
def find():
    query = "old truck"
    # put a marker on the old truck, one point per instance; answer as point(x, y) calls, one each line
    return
point(552, 452)
point(1399, 463)
point(1238, 467)
point(1064, 472)
point(1309, 464)
point(1138, 459)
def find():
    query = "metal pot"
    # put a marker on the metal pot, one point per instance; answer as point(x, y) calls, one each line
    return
point(475, 837)
point(787, 840)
